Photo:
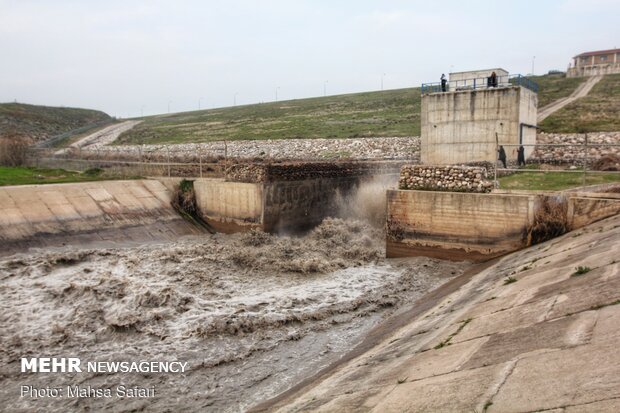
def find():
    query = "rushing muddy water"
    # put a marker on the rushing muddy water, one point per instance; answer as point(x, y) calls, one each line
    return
point(251, 314)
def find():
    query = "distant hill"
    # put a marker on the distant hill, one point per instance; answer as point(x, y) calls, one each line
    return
point(381, 114)
point(42, 122)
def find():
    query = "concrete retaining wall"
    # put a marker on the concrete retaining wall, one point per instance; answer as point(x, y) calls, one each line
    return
point(230, 206)
point(41, 215)
point(283, 197)
point(586, 208)
point(469, 226)
point(271, 206)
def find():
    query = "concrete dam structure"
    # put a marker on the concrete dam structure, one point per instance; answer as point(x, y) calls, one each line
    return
point(288, 197)
point(467, 122)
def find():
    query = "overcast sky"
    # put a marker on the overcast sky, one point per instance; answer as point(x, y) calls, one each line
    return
point(124, 57)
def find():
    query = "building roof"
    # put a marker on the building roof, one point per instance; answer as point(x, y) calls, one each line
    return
point(479, 70)
point(598, 52)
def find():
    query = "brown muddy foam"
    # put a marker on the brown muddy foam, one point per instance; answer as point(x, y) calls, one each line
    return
point(252, 313)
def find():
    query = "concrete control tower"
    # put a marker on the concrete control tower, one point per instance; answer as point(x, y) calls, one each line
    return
point(460, 124)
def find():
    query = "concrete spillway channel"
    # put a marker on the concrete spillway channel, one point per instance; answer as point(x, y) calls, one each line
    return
point(280, 198)
point(98, 213)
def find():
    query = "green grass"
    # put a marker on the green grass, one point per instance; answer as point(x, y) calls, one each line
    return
point(554, 87)
point(446, 342)
point(386, 113)
point(581, 270)
point(357, 115)
point(553, 181)
point(28, 176)
point(599, 111)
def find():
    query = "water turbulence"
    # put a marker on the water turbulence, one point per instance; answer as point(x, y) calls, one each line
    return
point(251, 314)
point(367, 202)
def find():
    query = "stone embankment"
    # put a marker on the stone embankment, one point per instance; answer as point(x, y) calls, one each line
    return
point(575, 154)
point(294, 149)
point(298, 171)
point(445, 178)
point(397, 148)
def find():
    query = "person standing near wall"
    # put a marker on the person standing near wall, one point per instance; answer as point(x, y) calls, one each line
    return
point(502, 155)
point(443, 82)
point(521, 156)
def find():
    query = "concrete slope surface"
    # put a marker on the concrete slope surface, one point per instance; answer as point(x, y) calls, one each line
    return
point(536, 331)
point(103, 136)
point(580, 92)
point(90, 212)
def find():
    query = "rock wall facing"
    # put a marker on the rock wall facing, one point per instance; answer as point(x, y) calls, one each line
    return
point(301, 171)
point(445, 178)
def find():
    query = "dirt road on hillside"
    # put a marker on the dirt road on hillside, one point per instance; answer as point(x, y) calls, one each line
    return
point(103, 136)
point(580, 92)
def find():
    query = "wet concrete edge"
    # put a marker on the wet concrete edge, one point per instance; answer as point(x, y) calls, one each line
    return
point(376, 336)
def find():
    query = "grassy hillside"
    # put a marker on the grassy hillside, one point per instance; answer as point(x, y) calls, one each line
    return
point(599, 111)
point(42, 122)
point(386, 113)
point(554, 87)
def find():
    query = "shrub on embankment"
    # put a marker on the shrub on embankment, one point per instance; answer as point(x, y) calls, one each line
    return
point(13, 150)
point(184, 202)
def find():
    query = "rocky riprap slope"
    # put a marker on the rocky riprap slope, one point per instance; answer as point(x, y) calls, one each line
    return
point(397, 148)
point(301, 149)
point(575, 154)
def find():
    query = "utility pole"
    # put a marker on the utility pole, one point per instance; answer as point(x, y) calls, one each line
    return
point(325, 88)
point(277, 87)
